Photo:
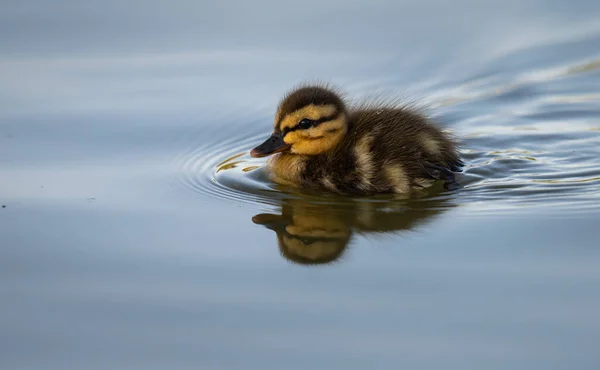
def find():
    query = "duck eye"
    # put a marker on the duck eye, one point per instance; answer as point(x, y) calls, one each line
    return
point(305, 123)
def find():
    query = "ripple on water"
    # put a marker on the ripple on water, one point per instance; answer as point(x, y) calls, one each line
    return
point(533, 146)
point(224, 170)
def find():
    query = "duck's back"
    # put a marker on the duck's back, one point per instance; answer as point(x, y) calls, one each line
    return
point(385, 150)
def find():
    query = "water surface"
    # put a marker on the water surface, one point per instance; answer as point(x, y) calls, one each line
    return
point(138, 233)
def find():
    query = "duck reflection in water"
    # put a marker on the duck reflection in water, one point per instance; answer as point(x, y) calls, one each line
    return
point(316, 233)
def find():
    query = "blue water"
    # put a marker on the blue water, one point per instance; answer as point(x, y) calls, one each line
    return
point(131, 238)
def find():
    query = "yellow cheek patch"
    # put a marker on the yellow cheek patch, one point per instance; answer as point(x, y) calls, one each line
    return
point(292, 137)
point(319, 139)
point(313, 112)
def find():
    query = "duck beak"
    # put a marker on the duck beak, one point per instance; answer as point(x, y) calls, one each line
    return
point(273, 144)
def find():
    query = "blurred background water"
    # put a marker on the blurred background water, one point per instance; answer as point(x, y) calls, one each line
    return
point(136, 232)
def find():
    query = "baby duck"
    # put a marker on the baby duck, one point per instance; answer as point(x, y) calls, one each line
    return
point(321, 142)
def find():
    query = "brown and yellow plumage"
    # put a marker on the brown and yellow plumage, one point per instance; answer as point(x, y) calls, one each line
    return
point(319, 141)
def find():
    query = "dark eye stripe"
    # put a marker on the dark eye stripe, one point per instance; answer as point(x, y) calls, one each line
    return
point(315, 122)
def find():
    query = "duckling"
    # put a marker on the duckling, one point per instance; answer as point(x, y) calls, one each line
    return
point(319, 141)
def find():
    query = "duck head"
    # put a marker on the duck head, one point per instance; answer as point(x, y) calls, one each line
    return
point(310, 120)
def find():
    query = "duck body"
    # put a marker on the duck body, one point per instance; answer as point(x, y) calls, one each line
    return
point(374, 148)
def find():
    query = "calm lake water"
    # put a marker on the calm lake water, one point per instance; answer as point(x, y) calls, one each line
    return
point(137, 233)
